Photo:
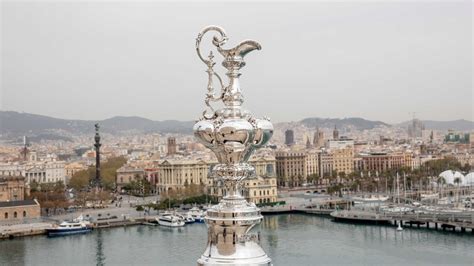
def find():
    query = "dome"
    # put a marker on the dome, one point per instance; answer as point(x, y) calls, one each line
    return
point(451, 176)
point(469, 179)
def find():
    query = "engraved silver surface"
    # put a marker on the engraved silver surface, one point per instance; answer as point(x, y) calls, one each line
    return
point(233, 134)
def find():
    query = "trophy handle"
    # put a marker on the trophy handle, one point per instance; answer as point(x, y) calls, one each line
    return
point(217, 41)
point(209, 113)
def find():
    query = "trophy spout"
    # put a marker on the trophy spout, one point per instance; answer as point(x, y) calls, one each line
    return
point(241, 50)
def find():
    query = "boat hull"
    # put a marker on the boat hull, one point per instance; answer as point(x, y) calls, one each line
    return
point(199, 220)
point(66, 232)
point(360, 221)
point(168, 224)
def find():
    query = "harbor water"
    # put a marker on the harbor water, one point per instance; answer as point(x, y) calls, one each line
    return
point(292, 239)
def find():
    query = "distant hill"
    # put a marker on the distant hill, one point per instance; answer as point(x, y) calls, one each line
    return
point(37, 127)
point(458, 125)
point(15, 123)
point(355, 122)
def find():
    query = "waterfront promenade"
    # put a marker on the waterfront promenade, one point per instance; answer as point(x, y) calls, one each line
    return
point(104, 217)
point(296, 202)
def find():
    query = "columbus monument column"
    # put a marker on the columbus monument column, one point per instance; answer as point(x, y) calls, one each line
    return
point(233, 134)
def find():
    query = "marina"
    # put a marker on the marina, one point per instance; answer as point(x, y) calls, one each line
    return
point(290, 239)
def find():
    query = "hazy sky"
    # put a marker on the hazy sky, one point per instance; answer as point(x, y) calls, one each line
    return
point(380, 61)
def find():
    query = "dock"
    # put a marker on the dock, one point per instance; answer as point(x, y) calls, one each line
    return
point(33, 229)
point(22, 230)
point(453, 221)
point(360, 217)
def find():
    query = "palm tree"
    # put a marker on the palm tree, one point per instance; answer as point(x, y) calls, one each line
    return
point(457, 181)
point(441, 181)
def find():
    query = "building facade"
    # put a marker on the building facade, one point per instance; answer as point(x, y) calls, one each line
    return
point(172, 146)
point(264, 165)
point(343, 160)
point(382, 161)
point(325, 160)
point(12, 188)
point(176, 174)
point(293, 168)
point(289, 137)
point(15, 211)
point(50, 171)
point(340, 144)
point(258, 190)
point(126, 174)
point(13, 206)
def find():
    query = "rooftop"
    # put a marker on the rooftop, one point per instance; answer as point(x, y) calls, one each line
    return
point(17, 203)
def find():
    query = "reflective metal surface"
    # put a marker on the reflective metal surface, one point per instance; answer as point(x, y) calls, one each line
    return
point(233, 134)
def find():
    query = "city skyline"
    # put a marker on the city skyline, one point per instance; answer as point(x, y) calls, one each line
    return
point(236, 133)
point(371, 60)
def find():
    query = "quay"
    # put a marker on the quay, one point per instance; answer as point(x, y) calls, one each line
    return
point(290, 209)
point(322, 207)
point(456, 222)
point(22, 230)
point(364, 217)
point(33, 229)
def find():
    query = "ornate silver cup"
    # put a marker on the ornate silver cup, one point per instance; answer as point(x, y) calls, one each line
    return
point(233, 134)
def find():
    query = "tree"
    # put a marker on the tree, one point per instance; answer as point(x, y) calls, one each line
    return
point(334, 188)
point(51, 196)
point(34, 186)
point(313, 178)
point(81, 179)
point(457, 181)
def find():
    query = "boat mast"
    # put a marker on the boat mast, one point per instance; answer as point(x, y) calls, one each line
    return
point(398, 190)
point(405, 186)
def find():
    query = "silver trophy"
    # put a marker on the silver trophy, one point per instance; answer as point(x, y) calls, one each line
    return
point(233, 134)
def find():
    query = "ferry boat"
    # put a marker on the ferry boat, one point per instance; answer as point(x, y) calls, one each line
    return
point(197, 214)
point(77, 226)
point(170, 220)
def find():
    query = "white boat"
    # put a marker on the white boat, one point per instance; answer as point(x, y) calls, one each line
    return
point(399, 228)
point(187, 218)
point(197, 214)
point(170, 220)
point(76, 226)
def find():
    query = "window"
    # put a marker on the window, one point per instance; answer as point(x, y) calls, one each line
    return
point(15, 215)
point(6, 215)
point(24, 213)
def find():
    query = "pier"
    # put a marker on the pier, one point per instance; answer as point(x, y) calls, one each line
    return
point(33, 229)
point(456, 222)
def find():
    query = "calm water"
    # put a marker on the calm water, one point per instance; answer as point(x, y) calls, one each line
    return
point(288, 239)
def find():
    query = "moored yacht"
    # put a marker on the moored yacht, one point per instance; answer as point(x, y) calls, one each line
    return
point(187, 218)
point(197, 214)
point(77, 226)
point(170, 220)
